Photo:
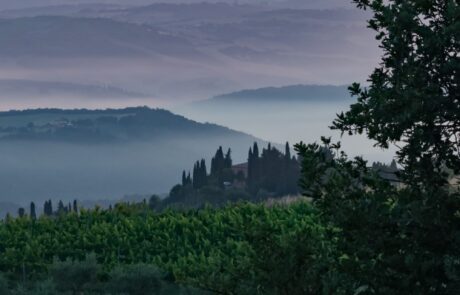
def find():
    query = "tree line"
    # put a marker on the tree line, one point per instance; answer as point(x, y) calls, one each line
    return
point(266, 174)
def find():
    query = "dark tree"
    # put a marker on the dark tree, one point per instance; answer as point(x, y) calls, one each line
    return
point(61, 208)
point(189, 179)
point(48, 208)
point(154, 202)
point(21, 212)
point(228, 159)
point(75, 206)
point(184, 178)
point(218, 162)
point(203, 173)
point(33, 213)
point(272, 171)
point(199, 174)
point(253, 169)
point(414, 94)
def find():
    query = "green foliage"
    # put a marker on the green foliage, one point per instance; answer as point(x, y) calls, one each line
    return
point(271, 174)
point(405, 240)
point(391, 241)
point(272, 171)
point(212, 249)
point(4, 289)
point(414, 94)
point(74, 275)
point(45, 287)
point(136, 279)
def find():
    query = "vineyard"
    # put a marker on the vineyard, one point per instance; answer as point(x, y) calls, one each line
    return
point(239, 249)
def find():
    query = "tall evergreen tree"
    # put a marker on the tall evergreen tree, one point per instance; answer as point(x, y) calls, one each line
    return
point(250, 178)
point(203, 173)
point(199, 174)
point(189, 179)
point(228, 159)
point(21, 212)
point(218, 162)
point(33, 213)
point(48, 208)
point(184, 178)
point(287, 152)
point(255, 150)
point(61, 208)
point(75, 206)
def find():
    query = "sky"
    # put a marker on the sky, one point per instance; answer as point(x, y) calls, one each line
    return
point(167, 55)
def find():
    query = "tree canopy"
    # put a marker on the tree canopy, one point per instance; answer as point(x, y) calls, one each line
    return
point(414, 94)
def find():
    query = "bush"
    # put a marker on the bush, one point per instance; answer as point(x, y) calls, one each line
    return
point(391, 241)
point(75, 276)
point(137, 279)
point(3, 285)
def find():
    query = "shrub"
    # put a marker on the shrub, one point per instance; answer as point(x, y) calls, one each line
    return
point(137, 279)
point(3, 285)
point(75, 276)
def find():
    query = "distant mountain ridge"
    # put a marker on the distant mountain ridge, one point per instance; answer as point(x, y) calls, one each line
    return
point(296, 93)
point(129, 124)
point(62, 36)
point(31, 88)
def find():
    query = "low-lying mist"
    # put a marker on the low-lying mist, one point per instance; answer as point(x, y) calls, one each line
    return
point(35, 171)
point(287, 121)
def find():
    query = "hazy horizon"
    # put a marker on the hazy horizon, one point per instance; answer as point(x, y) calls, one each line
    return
point(184, 58)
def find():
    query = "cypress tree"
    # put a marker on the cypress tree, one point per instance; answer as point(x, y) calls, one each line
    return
point(33, 214)
point(75, 206)
point(189, 179)
point(21, 212)
point(228, 159)
point(61, 208)
point(218, 163)
point(48, 208)
point(203, 173)
point(184, 178)
point(196, 175)
point(287, 152)
point(255, 150)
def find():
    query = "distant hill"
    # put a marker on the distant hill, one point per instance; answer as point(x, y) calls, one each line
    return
point(294, 93)
point(291, 113)
point(31, 88)
point(103, 154)
point(60, 36)
point(100, 126)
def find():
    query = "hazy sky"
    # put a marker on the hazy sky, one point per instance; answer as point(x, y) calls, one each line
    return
point(175, 54)
point(14, 4)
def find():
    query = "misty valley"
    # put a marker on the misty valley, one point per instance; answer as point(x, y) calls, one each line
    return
point(259, 147)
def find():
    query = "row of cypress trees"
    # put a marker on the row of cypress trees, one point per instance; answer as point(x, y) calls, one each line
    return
point(269, 170)
point(48, 209)
point(272, 171)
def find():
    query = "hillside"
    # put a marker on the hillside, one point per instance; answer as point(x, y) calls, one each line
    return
point(34, 88)
point(293, 113)
point(123, 125)
point(287, 94)
point(58, 36)
point(52, 152)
